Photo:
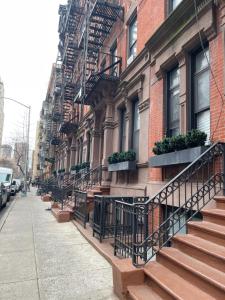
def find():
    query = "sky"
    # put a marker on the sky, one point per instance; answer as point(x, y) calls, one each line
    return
point(28, 47)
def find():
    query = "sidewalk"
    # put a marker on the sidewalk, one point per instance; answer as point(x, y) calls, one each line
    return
point(41, 259)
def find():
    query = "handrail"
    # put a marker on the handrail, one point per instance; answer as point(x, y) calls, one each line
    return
point(184, 170)
point(180, 200)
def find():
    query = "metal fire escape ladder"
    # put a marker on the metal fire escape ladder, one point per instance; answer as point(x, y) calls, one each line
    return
point(100, 16)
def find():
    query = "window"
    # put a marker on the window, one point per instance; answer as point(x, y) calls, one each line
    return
point(123, 129)
point(173, 111)
point(173, 4)
point(201, 91)
point(132, 51)
point(114, 59)
point(136, 128)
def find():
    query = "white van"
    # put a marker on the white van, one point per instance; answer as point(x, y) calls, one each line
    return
point(6, 175)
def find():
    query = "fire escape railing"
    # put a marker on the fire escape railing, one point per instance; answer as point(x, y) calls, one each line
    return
point(139, 236)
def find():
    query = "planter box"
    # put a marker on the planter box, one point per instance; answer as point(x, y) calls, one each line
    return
point(122, 166)
point(176, 157)
point(73, 172)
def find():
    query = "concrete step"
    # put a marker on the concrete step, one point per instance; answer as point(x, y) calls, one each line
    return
point(166, 281)
point(220, 202)
point(209, 231)
point(215, 215)
point(194, 271)
point(203, 250)
point(142, 292)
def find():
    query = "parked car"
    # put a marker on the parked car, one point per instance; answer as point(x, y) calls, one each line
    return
point(6, 175)
point(18, 184)
point(3, 196)
point(14, 188)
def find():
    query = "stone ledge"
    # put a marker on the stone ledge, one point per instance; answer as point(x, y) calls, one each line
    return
point(124, 273)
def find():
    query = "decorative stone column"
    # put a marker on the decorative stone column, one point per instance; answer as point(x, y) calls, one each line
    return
point(73, 153)
point(108, 127)
point(95, 148)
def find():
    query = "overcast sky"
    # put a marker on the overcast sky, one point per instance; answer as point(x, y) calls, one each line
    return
point(28, 47)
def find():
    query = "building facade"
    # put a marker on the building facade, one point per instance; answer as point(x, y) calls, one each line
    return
point(6, 151)
point(137, 93)
point(118, 94)
point(1, 109)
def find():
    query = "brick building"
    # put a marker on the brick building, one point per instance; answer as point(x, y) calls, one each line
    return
point(128, 74)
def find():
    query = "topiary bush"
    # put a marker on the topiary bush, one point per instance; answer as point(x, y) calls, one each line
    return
point(193, 138)
point(117, 157)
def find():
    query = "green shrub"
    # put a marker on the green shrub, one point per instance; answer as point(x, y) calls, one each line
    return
point(194, 138)
point(117, 157)
point(130, 155)
point(178, 142)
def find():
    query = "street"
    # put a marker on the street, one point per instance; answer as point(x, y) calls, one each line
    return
point(42, 259)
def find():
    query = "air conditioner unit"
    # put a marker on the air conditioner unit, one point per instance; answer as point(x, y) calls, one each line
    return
point(130, 59)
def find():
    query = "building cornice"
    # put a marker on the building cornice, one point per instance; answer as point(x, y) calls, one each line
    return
point(183, 15)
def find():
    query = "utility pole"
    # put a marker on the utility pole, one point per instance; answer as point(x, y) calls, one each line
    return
point(28, 137)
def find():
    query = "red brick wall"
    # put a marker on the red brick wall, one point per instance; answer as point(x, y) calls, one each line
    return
point(217, 109)
point(150, 14)
point(155, 123)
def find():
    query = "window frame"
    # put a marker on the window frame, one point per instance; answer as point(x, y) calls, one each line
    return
point(168, 97)
point(134, 44)
point(170, 6)
point(114, 49)
point(122, 128)
point(135, 102)
point(193, 113)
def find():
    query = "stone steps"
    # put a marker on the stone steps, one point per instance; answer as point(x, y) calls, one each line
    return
point(193, 268)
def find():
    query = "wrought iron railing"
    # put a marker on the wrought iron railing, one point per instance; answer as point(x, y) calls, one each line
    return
point(81, 207)
point(104, 215)
point(151, 224)
point(90, 179)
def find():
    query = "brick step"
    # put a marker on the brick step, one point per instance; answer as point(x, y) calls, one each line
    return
point(215, 215)
point(196, 272)
point(203, 250)
point(209, 231)
point(142, 292)
point(166, 281)
point(220, 202)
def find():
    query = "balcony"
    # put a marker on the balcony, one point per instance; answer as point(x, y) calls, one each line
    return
point(103, 16)
point(106, 78)
point(68, 127)
point(55, 141)
point(56, 117)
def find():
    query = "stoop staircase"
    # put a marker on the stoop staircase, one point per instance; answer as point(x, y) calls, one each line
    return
point(194, 267)
point(174, 266)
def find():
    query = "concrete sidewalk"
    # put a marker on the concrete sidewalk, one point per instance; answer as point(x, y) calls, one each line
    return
point(41, 259)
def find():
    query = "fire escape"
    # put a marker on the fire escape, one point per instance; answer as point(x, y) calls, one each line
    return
point(98, 67)
point(70, 16)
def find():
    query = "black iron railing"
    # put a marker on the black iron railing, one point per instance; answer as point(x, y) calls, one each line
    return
point(148, 228)
point(81, 207)
point(104, 215)
point(89, 179)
